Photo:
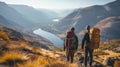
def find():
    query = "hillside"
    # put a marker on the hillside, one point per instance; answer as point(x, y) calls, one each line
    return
point(7, 23)
point(11, 14)
point(18, 50)
point(39, 16)
point(20, 47)
point(32, 39)
point(88, 16)
point(63, 12)
point(81, 17)
point(109, 28)
point(15, 32)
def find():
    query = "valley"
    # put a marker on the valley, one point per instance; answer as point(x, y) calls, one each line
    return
point(33, 37)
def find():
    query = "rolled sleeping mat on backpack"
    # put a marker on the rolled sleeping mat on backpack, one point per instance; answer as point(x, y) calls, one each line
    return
point(94, 38)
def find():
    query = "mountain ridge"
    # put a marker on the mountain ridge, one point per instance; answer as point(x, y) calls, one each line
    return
point(11, 14)
point(87, 16)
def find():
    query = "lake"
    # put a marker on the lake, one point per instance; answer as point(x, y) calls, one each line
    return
point(51, 37)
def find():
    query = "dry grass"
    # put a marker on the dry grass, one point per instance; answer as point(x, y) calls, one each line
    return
point(39, 62)
point(12, 56)
point(17, 58)
point(12, 52)
point(45, 62)
point(62, 64)
point(36, 49)
point(110, 45)
point(17, 44)
point(61, 35)
point(4, 35)
point(117, 63)
point(99, 52)
point(21, 54)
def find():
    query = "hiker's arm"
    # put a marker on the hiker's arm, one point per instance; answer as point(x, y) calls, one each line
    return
point(83, 41)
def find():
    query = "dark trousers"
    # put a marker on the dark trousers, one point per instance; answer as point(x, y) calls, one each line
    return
point(70, 55)
point(89, 52)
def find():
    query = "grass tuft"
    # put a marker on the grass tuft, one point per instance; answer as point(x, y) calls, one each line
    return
point(10, 57)
point(39, 62)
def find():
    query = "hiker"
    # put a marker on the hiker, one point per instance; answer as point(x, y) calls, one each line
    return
point(70, 44)
point(87, 49)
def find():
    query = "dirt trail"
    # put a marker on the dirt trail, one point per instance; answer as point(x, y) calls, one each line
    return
point(111, 53)
point(76, 63)
point(99, 59)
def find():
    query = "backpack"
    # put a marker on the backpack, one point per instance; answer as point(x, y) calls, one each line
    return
point(94, 38)
point(70, 40)
point(70, 34)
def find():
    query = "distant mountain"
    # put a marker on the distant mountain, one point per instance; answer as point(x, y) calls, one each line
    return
point(40, 16)
point(18, 36)
point(50, 13)
point(88, 16)
point(63, 12)
point(109, 28)
point(11, 14)
point(17, 25)
point(10, 24)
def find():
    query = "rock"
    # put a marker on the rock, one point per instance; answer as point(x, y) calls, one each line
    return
point(109, 61)
point(39, 45)
point(96, 64)
point(81, 59)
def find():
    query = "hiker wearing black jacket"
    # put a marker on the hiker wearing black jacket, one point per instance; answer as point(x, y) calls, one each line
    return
point(87, 49)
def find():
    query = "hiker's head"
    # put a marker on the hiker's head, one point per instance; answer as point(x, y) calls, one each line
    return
point(72, 29)
point(87, 27)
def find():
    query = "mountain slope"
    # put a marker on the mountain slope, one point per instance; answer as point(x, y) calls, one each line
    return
point(88, 16)
point(50, 13)
point(10, 18)
point(11, 14)
point(39, 16)
point(10, 24)
point(15, 35)
point(63, 12)
point(109, 28)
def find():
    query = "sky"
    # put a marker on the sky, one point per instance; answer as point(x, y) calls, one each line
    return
point(58, 4)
